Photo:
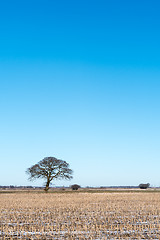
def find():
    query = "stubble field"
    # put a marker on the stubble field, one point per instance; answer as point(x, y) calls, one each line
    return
point(80, 215)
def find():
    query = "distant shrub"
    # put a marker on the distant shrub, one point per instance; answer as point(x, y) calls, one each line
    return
point(144, 185)
point(75, 186)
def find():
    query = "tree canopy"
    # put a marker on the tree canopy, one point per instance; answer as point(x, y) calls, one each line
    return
point(50, 168)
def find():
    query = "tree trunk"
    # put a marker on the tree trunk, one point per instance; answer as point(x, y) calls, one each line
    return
point(47, 185)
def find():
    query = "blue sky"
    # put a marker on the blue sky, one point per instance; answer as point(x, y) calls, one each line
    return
point(80, 81)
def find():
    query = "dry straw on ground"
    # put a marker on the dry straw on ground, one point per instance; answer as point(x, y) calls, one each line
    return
point(80, 216)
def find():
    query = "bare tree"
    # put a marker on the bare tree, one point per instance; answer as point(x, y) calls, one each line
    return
point(50, 168)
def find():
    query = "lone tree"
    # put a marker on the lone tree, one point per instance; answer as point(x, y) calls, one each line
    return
point(50, 168)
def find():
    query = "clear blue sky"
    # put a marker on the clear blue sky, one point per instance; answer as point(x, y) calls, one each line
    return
point(80, 81)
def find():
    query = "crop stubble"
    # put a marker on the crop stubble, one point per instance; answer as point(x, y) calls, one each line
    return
point(80, 216)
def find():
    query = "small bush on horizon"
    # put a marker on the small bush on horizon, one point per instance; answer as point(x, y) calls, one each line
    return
point(144, 185)
point(75, 186)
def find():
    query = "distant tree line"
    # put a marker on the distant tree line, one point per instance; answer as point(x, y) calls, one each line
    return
point(73, 187)
point(76, 187)
point(103, 187)
point(12, 187)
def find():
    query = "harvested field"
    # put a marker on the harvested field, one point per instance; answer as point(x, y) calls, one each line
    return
point(80, 215)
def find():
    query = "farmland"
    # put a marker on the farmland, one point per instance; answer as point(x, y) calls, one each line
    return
point(80, 215)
